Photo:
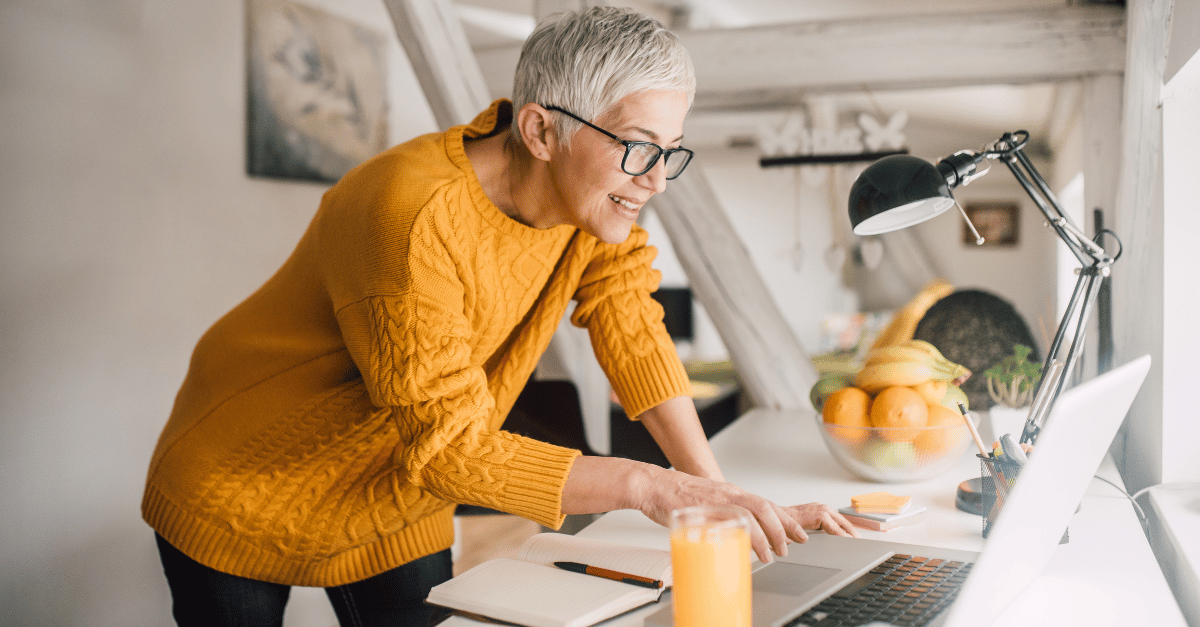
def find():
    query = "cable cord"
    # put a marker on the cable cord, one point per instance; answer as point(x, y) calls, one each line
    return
point(1134, 497)
point(1137, 508)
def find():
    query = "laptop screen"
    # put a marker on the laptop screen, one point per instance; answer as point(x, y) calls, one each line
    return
point(1027, 531)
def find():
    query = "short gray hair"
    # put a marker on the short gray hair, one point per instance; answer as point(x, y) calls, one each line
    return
point(586, 62)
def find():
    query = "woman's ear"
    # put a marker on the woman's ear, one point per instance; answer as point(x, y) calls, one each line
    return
point(538, 130)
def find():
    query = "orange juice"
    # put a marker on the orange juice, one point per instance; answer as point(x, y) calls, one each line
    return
point(711, 566)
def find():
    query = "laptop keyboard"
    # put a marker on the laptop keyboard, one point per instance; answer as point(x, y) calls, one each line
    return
point(904, 590)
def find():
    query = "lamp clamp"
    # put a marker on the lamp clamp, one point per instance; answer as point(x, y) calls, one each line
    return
point(961, 167)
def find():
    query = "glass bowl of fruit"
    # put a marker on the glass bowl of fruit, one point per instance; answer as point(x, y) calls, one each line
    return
point(897, 423)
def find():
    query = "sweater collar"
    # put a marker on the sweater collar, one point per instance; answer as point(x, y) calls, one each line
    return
point(488, 122)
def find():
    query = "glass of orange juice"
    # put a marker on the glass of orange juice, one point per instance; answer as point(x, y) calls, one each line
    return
point(710, 560)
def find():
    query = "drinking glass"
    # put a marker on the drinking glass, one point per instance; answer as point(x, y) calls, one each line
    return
point(710, 560)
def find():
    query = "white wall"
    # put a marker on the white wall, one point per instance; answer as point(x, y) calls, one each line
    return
point(764, 205)
point(128, 226)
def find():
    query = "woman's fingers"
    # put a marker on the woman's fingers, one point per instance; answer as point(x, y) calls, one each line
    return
point(760, 545)
point(773, 526)
point(795, 532)
point(770, 526)
point(821, 516)
point(836, 524)
point(767, 534)
point(770, 518)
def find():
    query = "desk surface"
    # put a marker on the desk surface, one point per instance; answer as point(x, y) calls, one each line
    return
point(1105, 575)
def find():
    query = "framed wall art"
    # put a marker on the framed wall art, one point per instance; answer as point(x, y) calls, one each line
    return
point(317, 98)
point(997, 222)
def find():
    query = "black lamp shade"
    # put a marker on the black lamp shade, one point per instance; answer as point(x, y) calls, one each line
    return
point(897, 192)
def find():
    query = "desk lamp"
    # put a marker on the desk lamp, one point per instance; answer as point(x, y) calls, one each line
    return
point(899, 191)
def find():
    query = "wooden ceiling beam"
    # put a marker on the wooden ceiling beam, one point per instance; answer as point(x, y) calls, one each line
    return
point(768, 65)
point(777, 65)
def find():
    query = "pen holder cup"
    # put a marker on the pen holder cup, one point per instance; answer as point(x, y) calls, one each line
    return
point(998, 470)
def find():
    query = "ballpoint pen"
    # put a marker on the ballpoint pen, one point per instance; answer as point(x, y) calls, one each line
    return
point(636, 580)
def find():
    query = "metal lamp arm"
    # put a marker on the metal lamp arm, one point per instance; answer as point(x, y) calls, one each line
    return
point(1084, 249)
point(1096, 263)
point(963, 167)
point(960, 169)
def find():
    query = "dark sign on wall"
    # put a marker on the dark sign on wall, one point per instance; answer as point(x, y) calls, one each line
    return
point(997, 222)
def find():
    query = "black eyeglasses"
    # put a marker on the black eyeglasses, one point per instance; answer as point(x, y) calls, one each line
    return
point(640, 157)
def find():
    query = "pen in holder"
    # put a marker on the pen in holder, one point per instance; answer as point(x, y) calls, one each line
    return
point(999, 477)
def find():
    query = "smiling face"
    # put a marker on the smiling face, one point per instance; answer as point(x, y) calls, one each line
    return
point(591, 190)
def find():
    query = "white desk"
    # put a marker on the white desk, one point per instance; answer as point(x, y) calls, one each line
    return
point(1105, 575)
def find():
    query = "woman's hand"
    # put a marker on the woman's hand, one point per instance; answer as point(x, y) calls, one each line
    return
point(667, 490)
point(602, 484)
point(823, 517)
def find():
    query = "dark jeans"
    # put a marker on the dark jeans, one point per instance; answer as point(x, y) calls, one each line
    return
point(203, 596)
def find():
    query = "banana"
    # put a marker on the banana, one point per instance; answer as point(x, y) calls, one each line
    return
point(883, 375)
point(957, 372)
point(925, 347)
point(920, 352)
point(951, 371)
point(892, 354)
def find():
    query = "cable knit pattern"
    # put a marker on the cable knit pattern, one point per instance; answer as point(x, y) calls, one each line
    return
point(330, 422)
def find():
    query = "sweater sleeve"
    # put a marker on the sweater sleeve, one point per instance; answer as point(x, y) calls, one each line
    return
point(626, 324)
point(414, 350)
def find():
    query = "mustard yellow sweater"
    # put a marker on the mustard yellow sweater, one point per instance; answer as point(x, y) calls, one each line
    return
point(329, 423)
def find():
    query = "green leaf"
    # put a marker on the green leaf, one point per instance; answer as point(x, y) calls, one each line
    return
point(1016, 368)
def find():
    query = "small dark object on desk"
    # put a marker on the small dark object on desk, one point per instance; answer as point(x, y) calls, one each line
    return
point(969, 497)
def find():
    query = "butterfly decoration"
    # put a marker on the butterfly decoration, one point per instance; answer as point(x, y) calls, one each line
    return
point(879, 137)
point(790, 139)
point(795, 138)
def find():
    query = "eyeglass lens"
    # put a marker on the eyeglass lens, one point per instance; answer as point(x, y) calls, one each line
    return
point(640, 157)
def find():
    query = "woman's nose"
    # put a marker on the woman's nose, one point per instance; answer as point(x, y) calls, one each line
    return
point(656, 177)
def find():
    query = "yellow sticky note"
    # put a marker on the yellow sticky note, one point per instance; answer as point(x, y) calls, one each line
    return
point(880, 502)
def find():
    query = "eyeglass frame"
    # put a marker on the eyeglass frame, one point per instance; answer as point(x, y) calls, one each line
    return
point(663, 153)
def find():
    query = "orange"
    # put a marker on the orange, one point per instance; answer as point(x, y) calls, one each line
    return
point(901, 411)
point(934, 441)
point(848, 408)
point(932, 391)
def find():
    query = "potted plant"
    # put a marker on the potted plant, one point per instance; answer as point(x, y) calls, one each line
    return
point(1011, 384)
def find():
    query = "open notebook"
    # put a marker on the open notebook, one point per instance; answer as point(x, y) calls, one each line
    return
point(530, 590)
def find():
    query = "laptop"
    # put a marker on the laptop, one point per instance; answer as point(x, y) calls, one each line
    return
point(818, 581)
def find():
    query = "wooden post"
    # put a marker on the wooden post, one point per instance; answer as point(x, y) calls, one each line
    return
point(434, 40)
point(1138, 291)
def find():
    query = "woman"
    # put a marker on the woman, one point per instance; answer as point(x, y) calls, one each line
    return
point(331, 422)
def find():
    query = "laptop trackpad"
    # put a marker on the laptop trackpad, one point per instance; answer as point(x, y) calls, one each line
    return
point(790, 579)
